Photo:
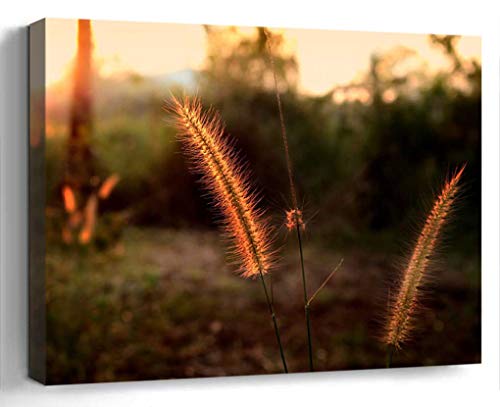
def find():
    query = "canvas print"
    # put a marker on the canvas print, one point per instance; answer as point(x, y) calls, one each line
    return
point(217, 200)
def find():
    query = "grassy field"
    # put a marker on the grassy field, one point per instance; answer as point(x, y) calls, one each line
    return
point(163, 304)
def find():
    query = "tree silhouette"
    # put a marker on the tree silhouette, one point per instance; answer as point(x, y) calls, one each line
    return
point(79, 169)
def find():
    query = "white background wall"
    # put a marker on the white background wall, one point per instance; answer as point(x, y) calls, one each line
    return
point(459, 385)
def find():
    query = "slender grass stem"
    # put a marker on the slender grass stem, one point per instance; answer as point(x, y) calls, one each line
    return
point(325, 282)
point(202, 136)
point(309, 338)
point(275, 323)
point(271, 287)
point(293, 196)
point(306, 300)
point(390, 353)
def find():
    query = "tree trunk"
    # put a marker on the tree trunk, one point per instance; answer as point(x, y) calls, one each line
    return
point(79, 170)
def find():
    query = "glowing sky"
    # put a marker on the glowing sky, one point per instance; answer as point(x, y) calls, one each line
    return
point(325, 58)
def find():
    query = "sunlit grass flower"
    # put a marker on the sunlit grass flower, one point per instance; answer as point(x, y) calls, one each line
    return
point(294, 219)
point(405, 303)
point(227, 180)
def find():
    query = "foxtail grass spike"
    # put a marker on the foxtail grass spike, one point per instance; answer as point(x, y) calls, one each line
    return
point(405, 303)
point(212, 156)
point(223, 175)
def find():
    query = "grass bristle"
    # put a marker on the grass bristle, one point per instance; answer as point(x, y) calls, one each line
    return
point(225, 177)
point(405, 303)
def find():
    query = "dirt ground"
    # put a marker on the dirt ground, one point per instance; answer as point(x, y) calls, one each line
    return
point(164, 304)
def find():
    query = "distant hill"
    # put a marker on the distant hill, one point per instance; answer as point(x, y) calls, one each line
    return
point(123, 91)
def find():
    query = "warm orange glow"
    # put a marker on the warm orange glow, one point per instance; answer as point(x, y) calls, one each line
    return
point(294, 219)
point(75, 219)
point(85, 236)
point(202, 135)
point(66, 235)
point(149, 49)
point(406, 301)
point(108, 185)
point(89, 220)
point(69, 199)
point(326, 58)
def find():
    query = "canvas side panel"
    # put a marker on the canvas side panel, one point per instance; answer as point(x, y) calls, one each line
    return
point(36, 203)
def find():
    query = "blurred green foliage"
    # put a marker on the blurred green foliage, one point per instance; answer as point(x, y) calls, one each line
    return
point(363, 168)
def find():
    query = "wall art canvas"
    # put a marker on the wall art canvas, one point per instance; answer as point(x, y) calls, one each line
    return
point(217, 200)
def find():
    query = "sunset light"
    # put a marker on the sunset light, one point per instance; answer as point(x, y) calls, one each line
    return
point(325, 58)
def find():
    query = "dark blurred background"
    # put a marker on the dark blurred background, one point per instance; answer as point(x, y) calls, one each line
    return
point(137, 283)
